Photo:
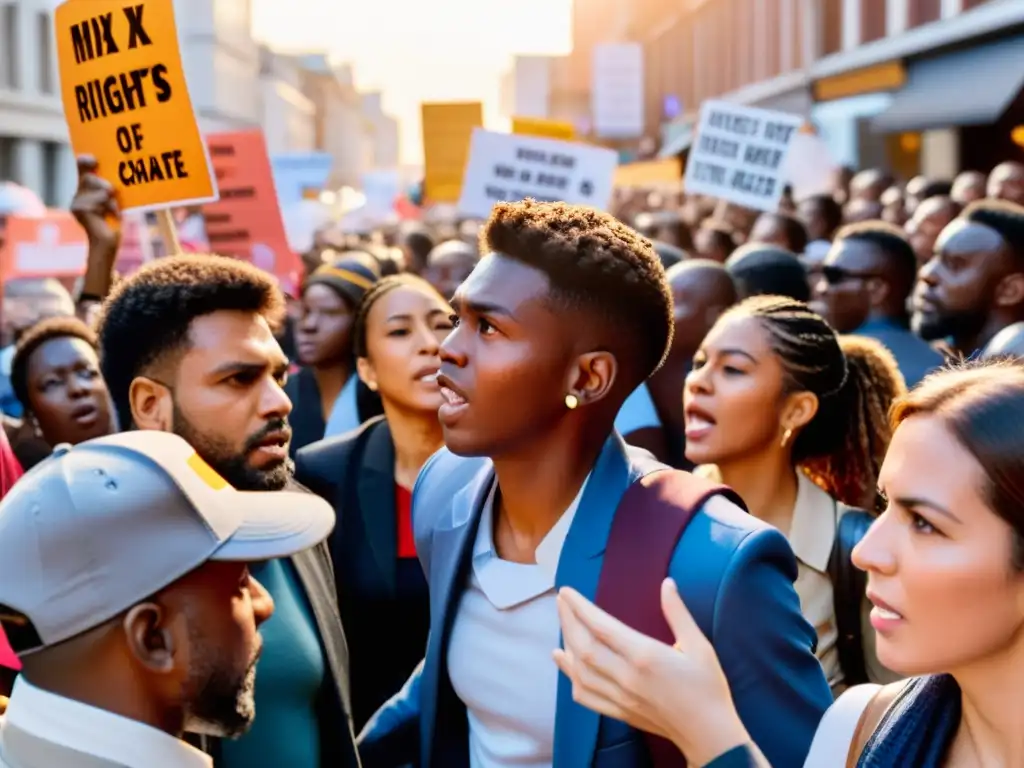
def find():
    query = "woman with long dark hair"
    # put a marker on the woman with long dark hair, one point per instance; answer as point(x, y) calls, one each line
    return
point(369, 474)
point(794, 418)
point(326, 395)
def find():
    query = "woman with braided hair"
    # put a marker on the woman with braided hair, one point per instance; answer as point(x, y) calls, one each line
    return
point(794, 418)
point(368, 475)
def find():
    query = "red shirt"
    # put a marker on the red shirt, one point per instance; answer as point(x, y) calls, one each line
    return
point(10, 471)
point(403, 505)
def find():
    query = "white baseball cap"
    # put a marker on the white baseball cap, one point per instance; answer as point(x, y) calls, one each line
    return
point(98, 527)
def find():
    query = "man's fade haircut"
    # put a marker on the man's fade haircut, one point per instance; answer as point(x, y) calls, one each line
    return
point(148, 316)
point(36, 336)
point(1004, 217)
point(595, 263)
point(889, 240)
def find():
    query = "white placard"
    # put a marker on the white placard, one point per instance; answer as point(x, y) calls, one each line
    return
point(810, 168)
point(511, 167)
point(617, 90)
point(740, 153)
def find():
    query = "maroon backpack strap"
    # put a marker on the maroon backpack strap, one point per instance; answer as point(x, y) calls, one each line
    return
point(649, 521)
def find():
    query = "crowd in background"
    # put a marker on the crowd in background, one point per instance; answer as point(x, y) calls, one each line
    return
point(793, 333)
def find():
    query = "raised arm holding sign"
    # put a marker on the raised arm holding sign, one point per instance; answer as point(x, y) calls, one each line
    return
point(127, 103)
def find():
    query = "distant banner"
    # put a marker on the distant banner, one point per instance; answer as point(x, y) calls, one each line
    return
point(504, 167)
point(300, 175)
point(547, 129)
point(246, 222)
point(650, 173)
point(127, 104)
point(740, 154)
point(447, 130)
point(54, 245)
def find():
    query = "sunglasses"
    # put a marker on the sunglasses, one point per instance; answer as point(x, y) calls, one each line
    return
point(837, 275)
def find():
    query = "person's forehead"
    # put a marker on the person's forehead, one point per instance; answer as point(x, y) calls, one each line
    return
point(853, 252)
point(234, 335)
point(1008, 172)
point(322, 295)
point(961, 237)
point(505, 282)
point(691, 282)
point(738, 331)
point(451, 258)
point(402, 301)
point(62, 349)
point(925, 460)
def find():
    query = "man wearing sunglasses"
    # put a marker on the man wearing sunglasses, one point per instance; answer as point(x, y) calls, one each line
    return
point(865, 282)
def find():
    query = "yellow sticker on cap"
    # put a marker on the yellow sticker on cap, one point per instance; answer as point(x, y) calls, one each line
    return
point(207, 473)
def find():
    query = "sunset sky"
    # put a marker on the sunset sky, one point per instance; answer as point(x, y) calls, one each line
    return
point(415, 50)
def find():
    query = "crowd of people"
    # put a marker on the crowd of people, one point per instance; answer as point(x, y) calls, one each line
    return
point(416, 514)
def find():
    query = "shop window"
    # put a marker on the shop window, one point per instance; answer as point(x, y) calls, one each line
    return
point(51, 172)
point(831, 26)
point(11, 48)
point(1017, 135)
point(872, 20)
point(772, 36)
point(6, 158)
point(923, 12)
point(45, 52)
point(903, 151)
point(796, 34)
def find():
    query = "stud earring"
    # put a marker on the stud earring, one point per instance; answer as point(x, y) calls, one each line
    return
point(571, 401)
point(785, 437)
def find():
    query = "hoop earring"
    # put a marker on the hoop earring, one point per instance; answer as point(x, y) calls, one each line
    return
point(785, 437)
point(571, 401)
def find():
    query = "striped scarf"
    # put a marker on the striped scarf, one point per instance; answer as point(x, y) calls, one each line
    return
point(918, 728)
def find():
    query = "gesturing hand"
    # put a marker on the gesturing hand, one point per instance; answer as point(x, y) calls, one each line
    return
point(678, 692)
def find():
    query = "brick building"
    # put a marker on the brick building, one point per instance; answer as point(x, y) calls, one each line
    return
point(928, 86)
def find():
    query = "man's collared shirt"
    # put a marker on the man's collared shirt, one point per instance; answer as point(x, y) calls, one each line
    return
point(499, 656)
point(35, 715)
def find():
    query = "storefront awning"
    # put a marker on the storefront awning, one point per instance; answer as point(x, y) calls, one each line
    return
point(970, 87)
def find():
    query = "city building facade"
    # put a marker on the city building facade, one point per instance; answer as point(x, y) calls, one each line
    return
point(918, 86)
point(342, 130)
point(34, 149)
point(222, 62)
point(384, 132)
point(288, 115)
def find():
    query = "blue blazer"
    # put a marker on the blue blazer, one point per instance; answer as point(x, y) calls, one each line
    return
point(734, 572)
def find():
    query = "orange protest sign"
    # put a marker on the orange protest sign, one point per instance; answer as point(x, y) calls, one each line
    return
point(127, 104)
point(52, 246)
point(246, 222)
point(447, 131)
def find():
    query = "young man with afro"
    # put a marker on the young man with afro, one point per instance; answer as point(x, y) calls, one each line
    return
point(566, 314)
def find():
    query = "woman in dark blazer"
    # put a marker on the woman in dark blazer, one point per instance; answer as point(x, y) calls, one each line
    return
point(368, 475)
point(326, 390)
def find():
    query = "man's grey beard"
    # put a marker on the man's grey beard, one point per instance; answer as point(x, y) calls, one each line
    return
point(223, 707)
point(232, 467)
